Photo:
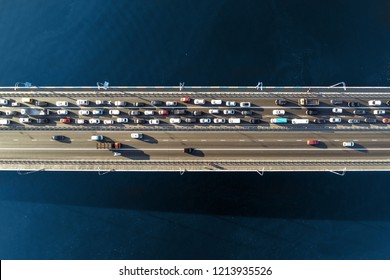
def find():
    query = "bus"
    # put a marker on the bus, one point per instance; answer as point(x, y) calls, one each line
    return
point(279, 120)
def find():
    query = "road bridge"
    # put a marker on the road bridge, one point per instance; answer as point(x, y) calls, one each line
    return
point(253, 143)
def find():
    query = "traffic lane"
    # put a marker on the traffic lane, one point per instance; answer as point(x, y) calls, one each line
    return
point(206, 154)
point(241, 137)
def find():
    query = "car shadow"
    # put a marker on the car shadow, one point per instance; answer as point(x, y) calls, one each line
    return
point(197, 153)
point(359, 148)
point(149, 139)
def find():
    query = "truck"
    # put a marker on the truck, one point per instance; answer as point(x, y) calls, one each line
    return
point(308, 102)
point(34, 112)
point(108, 145)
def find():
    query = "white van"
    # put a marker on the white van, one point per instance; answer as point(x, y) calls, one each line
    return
point(234, 120)
point(5, 122)
point(300, 121)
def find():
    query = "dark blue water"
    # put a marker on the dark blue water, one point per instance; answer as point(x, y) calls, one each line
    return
point(70, 215)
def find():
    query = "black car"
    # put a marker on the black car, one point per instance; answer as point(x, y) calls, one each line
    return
point(353, 104)
point(197, 113)
point(138, 104)
point(319, 121)
point(311, 112)
point(156, 103)
point(280, 102)
point(254, 121)
point(189, 150)
point(139, 121)
point(245, 113)
point(179, 112)
point(336, 102)
point(190, 120)
point(134, 113)
point(388, 103)
point(359, 112)
point(58, 137)
point(370, 120)
point(42, 120)
point(40, 103)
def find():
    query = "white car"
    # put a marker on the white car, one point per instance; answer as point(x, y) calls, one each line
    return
point(348, 144)
point(108, 122)
point(97, 137)
point(171, 103)
point(149, 113)
point(231, 103)
point(62, 103)
point(3, 101)
point(137, 135)
point(205, 120)
point(62, 112)
point(335, 120)
point(154, 121)
point(337, 110)
point(122, 120)
point(379, 112)
point(199, 101)
point(229, 112)
point(114, 112)
point(82, 102)
point(216, 102)
point(25, 120)
point(80, 121)
point(120, 103)
point(83, 112)
point(245, 104)
point(94, 121)
point(102, 102)
point(218, 120)
point(174, 120)
point(213, 111)
point(278, 112)
point(374, 103)
point(97, 112)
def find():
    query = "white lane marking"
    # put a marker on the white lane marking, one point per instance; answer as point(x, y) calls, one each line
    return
point(16, 139)
point(203, 140)
point(355, 140)
point(260, 140)
point(206, 149)
point(242, 140)
point(279, 140)
point(184, 140)
point(34, 139)
point(165, 140)
point(223, 140)
point(299, 140)
point(336, 140)
point(374, 139)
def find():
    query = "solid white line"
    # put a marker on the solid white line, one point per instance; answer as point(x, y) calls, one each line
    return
point(34, 139)
point(203, 149)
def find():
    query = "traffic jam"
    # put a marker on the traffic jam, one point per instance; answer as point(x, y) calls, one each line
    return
point(177, 112)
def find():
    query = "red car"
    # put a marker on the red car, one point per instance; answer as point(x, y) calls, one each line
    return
point(313, 142)
point(163, 112)
point(385, 120)
point(185, 99)
point(65, 120)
